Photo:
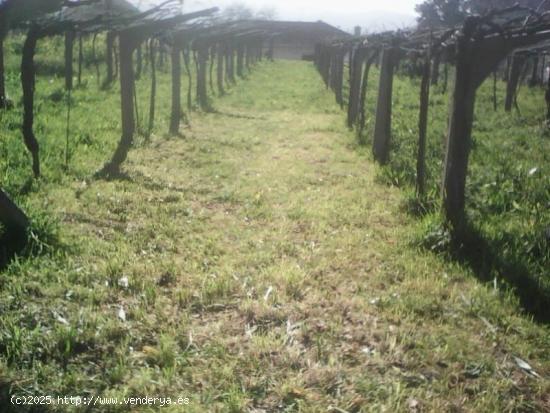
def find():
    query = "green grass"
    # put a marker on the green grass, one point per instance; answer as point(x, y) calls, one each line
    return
point(260, 265)
point(508, 185)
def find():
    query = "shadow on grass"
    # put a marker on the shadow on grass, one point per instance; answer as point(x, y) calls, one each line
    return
point(485, 257)
point(419, 207)
point(234, 115)
point(8, 405)
point(137, 178)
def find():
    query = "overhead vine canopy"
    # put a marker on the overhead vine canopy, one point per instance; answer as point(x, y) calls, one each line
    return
point(15, 12)
point(101, 12)
point(476, 46)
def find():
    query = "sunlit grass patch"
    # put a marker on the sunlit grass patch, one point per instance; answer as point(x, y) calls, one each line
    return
point(254, 264)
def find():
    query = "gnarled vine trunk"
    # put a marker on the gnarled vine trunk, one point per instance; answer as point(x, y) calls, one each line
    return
point(27, 83)
point(219, 68)
point(202, 93)
point(127, 84)
point(176, 88)
point(153, 86)
point(109, 58)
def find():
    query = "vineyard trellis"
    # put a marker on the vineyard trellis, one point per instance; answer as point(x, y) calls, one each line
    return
point(476, 49)
point(189, 36)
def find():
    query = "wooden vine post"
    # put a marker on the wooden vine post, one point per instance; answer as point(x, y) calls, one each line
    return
point(423, 126)
point(175, 115)
point(339, 78)
point(110, 41)
point(127, 44)
point(325, 63)
point(27, 84)
point(202, 90)
point(240, 59)
point(357, 59)
point(186, 61)
point(372, 55)
point(219, 68)
point(211, 68)
point(153, 86)
point(332, 69)
point(382, 129)
point(230, 62)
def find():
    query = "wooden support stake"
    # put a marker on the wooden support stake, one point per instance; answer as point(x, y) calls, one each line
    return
point(202, 92)
point(219, 68)
point(27, 83)
point(356, 64)
point(459, 138)
point(382, 129)
point(339, 76)
point(240, 60)
point(186, 61)
point(127, 46)
point(110, 41)
point(423, 128)
point(176, 88)
point(96, 61)
point(211, 74)
point(153, 87)
point(364, 87)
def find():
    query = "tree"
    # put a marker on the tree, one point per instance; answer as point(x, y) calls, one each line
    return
point(449, 13)
point(441, 13)
point(266, 13)
point(237, 11)
point(241, 11)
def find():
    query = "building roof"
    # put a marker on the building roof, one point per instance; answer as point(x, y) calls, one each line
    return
point(318, 27)
point(317, 31)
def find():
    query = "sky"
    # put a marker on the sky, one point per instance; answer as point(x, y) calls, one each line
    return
point(372, 15)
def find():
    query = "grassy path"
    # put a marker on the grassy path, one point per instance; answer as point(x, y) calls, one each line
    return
point(257, 265)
